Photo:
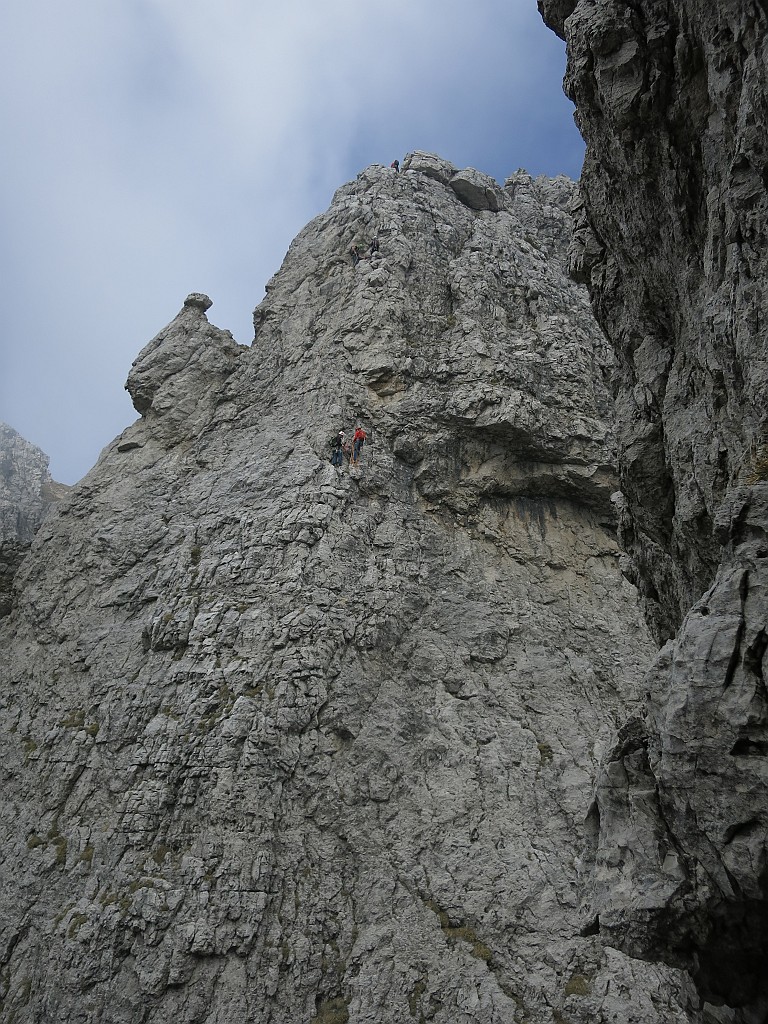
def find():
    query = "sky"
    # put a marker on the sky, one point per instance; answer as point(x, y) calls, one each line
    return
point(151, 148)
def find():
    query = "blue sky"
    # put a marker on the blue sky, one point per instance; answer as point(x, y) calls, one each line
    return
point(156, 147)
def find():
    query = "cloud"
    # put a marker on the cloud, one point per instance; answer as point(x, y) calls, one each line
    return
point(155, 147)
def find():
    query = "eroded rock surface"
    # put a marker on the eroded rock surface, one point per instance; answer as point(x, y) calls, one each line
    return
point(292, 744)
point(677, 836)
point(671, 99)
point(26, 492)
point(671, 238)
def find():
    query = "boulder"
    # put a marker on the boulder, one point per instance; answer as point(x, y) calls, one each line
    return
point(429, 164)
point(477, 191)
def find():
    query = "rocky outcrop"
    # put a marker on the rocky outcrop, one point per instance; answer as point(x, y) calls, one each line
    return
point(677, 835)
point(476, 190)
point(292, 743)
point(26, 493)
point(671, 99)
point(176, 382)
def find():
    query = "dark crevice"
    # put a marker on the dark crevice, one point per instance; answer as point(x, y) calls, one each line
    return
point(746, 747)
point(733, 664)
point(735, 659)
point(742, 829)
point(592, 927)
point(753, 656)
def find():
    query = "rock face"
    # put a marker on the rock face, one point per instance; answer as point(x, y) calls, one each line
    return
point(671, 238)
point(26, 493)
point(671, 100)
point(292, 743)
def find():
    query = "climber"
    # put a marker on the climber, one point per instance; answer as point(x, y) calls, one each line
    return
point(358, 440)
point(337, 444)
point(355, 254)
point(374, 245)
point(395, 165)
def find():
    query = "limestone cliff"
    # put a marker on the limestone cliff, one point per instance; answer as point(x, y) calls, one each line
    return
point(291, 743)
point(671, 98)
point(26, 492)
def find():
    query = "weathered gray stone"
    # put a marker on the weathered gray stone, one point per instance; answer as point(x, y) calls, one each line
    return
point(26, 493)
point(678, 845)
point(672, 103)
point(477, 190)
point(177, 377)
point(297, 743)
point(430, 164)
point(671, 238)
point(196, 300)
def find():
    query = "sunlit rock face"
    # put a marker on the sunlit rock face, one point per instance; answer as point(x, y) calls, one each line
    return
point(26, 492)
point(671, 239)
point(288, 742)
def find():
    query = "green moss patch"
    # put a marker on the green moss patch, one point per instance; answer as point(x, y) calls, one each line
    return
point(578, 985)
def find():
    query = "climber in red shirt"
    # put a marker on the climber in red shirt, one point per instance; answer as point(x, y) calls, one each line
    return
point(358, 440)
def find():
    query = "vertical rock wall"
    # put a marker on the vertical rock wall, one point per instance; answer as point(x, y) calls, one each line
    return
point(291, 743)
point(672, 99)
